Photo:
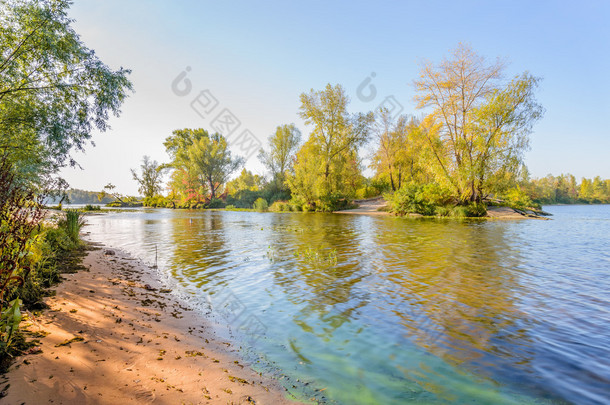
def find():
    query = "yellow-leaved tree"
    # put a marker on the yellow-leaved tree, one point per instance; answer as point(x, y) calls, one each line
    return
point(479, 124)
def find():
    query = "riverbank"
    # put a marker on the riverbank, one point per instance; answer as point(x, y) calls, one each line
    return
point(378, 206)
point(113, 335)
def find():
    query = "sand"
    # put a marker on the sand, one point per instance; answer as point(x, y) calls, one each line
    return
point(370, 206)
point(131, 345)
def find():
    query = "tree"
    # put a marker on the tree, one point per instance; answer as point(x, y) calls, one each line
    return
point(283, 145)
point(246, 181)
point(185, 183)
point(108, 190)
point(54, 91)
point(200, 159)
point(150, 181)
point(395, 159)
point(328, 161)
point(478, 128)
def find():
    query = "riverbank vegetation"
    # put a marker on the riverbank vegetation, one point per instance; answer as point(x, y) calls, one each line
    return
point(463, 151)
point(54, 92)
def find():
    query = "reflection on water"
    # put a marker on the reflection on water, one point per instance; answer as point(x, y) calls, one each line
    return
point(385, 310)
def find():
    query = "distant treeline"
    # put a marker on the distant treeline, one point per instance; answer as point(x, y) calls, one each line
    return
point(76, 196)
point(564, 189)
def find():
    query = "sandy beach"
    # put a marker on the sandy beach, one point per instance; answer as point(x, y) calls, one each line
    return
point(112, 335)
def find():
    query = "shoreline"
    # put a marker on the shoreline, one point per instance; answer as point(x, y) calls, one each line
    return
point(112, 334)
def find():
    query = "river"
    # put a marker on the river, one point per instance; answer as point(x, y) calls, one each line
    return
point(383, 310)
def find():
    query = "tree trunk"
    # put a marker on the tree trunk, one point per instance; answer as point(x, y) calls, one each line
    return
point(212, 189)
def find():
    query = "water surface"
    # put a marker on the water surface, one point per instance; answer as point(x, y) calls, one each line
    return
point(382, 310)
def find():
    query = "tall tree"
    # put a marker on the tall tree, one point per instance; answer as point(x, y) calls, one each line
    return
point(331, 153)
point(478, 128)
point(185, 183)
point(283, 145)
point(150, 179)
point(200, 161)
point(211, 159)
point(54, 91)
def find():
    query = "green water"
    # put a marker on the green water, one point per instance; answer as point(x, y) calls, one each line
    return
point(381, 310)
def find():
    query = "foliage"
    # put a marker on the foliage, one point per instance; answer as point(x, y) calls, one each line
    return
point(431, 200)
point(372, 188)
point(418, 199)
point(10, 319)
point(260, 205)
point(215, 203)
point(150, 179)
point(20, 213)
point(76, 196)
point(246, 181)
point(283, 145)
point(90, 207)
point(54, 91)
point(517, 198)
point(158, 201)
point(396, 159)
point(478, 129)
point(564, 189)
point(72, 224)
point(279, 206)
point(202, 163)
point(327, 164)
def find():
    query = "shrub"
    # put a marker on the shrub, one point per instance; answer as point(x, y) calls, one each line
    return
point(230, 207)
point(215, 203)
point(279, 206)
point(157, 201)
point(260, 205)
point(517, 198)
point(244, 198)
point(419, 199)
point(90, 207)
point(72, 224)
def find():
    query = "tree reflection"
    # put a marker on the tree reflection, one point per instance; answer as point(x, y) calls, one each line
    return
point(200, 255)
point(454, 286)
point(325, 291)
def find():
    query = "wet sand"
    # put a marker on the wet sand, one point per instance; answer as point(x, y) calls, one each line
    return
point(114, 336)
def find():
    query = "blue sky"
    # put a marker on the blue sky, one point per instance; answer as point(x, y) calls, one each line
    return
point(256, 58)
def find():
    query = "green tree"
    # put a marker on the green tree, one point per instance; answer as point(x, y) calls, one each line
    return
point(211, 159)
point(54, 91)
point(185, 183)
point(283, 145)
point(202, 158)
point(246, 181)
point(150, 179)
point(327, 164)
point(585, 191)
point(478, 127)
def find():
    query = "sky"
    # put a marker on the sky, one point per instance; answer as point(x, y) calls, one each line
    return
point(193, 61)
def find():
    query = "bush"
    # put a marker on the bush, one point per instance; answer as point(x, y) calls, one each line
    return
point(157, 201)
point(230, 207)
point(244, 198)
point(418, 199)
point(332, 202)
point(517, 198)
point(260, 205)
point(90, 207)
point(279, 206)
point(72, 224)
point(215, 203)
